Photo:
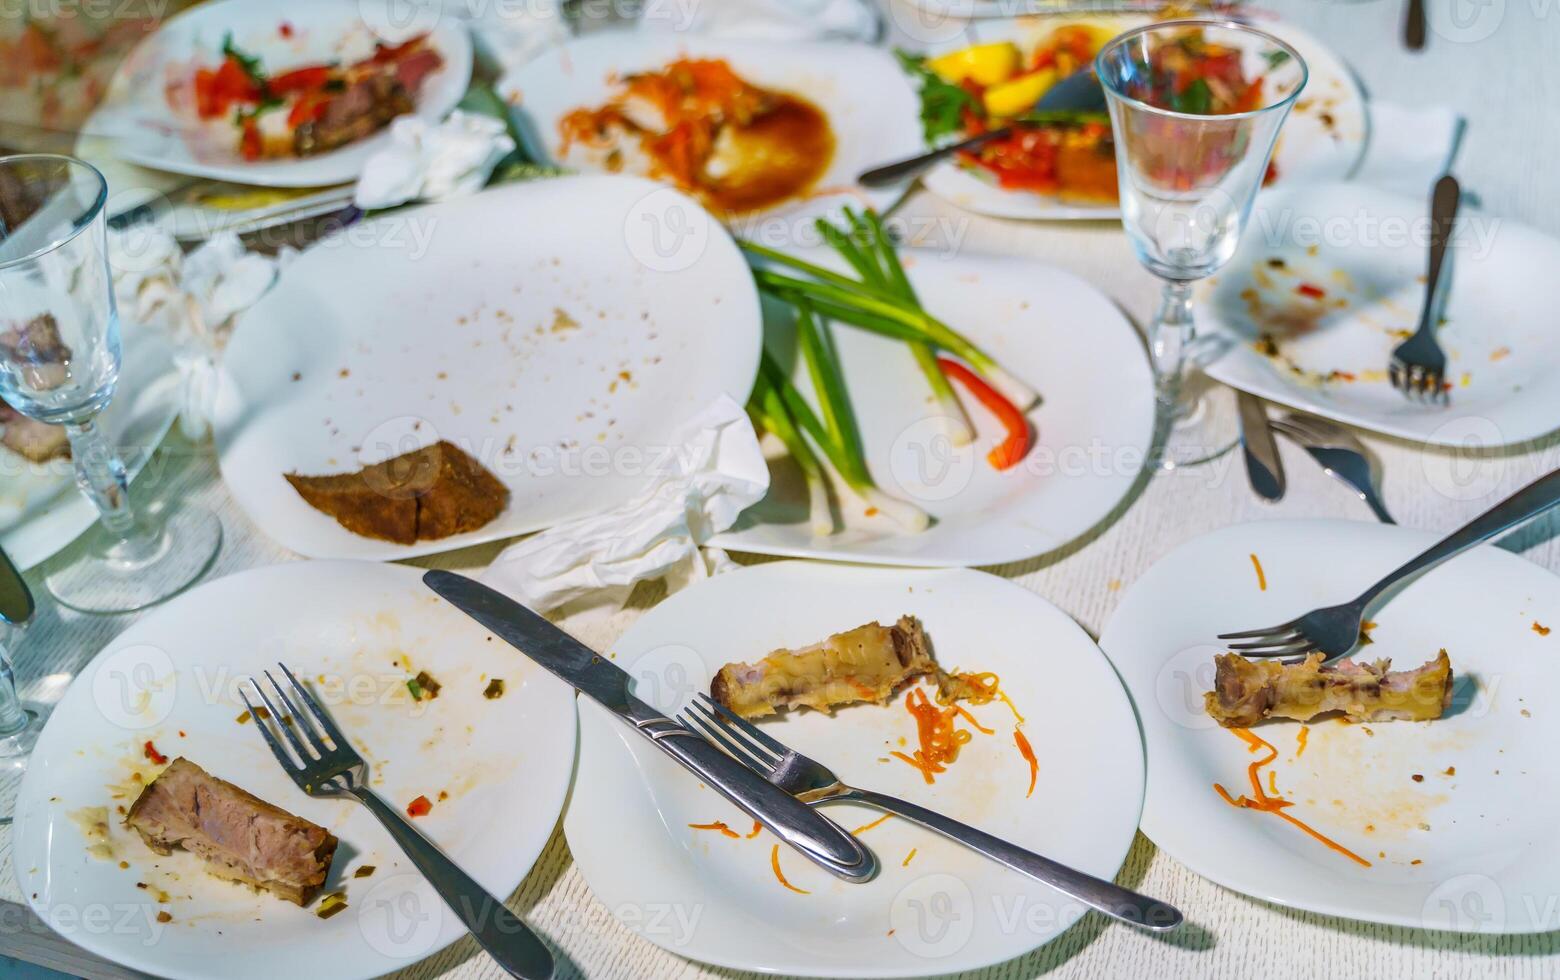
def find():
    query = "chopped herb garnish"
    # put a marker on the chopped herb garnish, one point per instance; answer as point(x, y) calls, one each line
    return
point(1276, 57)
point(1196, 98)
point(942, 103)
point(250, 63)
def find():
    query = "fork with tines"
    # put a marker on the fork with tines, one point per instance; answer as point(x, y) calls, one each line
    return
point(814, 783)
point(1335, 630)
point(323, 764)
point(1418, 367)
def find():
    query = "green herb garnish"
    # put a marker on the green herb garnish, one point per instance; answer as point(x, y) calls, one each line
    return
point(248, 62)
point(1195, 99)
point(943, 104)
point(1276, 57)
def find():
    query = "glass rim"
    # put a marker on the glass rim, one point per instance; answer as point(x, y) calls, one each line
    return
point(80, 223)
point(1122, 38)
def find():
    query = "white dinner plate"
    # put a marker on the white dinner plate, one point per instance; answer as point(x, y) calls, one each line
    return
point(355, 632)
point(548, 328)
point(41, 511)
point(939, 910)
point(869, 104)
point(1323, 138)
point(1469, 845)
point(1366, 251)
point(148, 131)
point(1092, 428)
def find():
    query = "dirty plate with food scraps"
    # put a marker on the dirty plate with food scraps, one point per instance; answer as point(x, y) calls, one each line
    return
point(936, 906)
point(1329, 280)
point(544, 328)
point(1452, 815)
point(147, 130)
point(1091, 430)
point(869, 108)
point(41, 511)
point(355, 633)
point(1323, 138)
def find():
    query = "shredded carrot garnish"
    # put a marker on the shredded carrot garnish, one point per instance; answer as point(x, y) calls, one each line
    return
point(719, 825)
point(1274, 804)
point(1028, 753)
point(868, 826)
point(774, 862)
point(1261, 576)
point(940, 741)
point(971, 719)
point(1300, 739)
point(908, 857)
point(1273, 782)
point(757, 828)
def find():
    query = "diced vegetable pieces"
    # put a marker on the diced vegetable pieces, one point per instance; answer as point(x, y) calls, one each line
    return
point(983, 64)
point(1019, 95)
point(419, 807)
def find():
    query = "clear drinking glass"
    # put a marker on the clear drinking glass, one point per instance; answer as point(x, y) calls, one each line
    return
point(1192, 149)
point(59, 363)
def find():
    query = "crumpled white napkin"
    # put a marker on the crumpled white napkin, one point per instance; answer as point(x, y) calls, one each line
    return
point(1408, 147)
point(716, 471)
point(768, 20)
point(192, 298)
point(433, 163)
point(507, 34)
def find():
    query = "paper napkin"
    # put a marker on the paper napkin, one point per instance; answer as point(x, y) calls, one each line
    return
point(433, 162)
point(1408, 147)
point(716, 471)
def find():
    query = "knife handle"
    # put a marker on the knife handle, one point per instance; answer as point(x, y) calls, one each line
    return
point(815, 836)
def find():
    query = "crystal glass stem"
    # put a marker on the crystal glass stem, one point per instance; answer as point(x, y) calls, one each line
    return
point(1169, 337)
point(101, 475)
point(13, 717)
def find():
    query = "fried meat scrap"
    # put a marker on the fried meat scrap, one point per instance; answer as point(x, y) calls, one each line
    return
point(429, 493)
point(867, 663)
point(37, 352)
point(36, 441)
point(1248, 691)
point(239, 837)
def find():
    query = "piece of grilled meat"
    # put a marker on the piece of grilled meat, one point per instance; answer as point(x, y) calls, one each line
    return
point(1248, 691)
point(239, 836)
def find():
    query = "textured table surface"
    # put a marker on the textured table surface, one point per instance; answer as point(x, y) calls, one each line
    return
point(1493, 60)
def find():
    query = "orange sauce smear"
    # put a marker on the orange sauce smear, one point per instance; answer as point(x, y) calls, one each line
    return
point(719, 825)
point(1261, 576)
point(774, 862)
point(1300, 740)
point(1275, 804)
point(1028, 753)
point(868, 826)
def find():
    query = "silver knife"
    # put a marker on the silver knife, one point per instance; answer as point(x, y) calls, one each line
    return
point(818, 838)
point(16, 601)
point(1263, 467)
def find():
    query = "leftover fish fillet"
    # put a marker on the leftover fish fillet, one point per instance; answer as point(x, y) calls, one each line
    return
point(1248, 691)
point(240, 837)
point(867, 663)
point(428, 493)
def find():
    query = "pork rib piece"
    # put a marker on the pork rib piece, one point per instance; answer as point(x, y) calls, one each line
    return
point(867, 663)
point(239, 836)
point(1248, 691)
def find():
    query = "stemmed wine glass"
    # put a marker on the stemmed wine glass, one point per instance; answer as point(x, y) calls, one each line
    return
point(59, 364)
point(1195, 107)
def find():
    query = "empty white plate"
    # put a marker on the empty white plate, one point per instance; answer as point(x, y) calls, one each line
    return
point(1323, 138)
point(557, 331)
point(1092, 428)
point(860, 89)
point(1365, 252)
point(1469, 844)
point(495, 771)
point(936, 907)
point(145, 129)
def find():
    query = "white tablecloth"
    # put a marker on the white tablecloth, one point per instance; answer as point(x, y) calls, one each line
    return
point(1496, 63)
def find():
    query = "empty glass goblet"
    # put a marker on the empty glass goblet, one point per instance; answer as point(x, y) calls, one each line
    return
point(1195, 110)
point(59, 364)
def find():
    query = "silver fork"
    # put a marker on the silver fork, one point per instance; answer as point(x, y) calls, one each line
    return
point(1335, 630)
point(1418, 366)
point(1339, 452)
point(814, 783)
point(325, 765)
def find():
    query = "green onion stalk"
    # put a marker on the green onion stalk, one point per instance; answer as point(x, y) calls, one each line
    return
point(769, 411)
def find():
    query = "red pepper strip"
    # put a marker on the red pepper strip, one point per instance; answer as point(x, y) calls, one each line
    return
point(1306, 289)
point(419, 807)
point(300, 80)
point(155, 756)
point(1012, 449)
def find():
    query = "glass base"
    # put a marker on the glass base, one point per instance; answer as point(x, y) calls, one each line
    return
point(1199, 427)
point(16, 746)
point(111, 577)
